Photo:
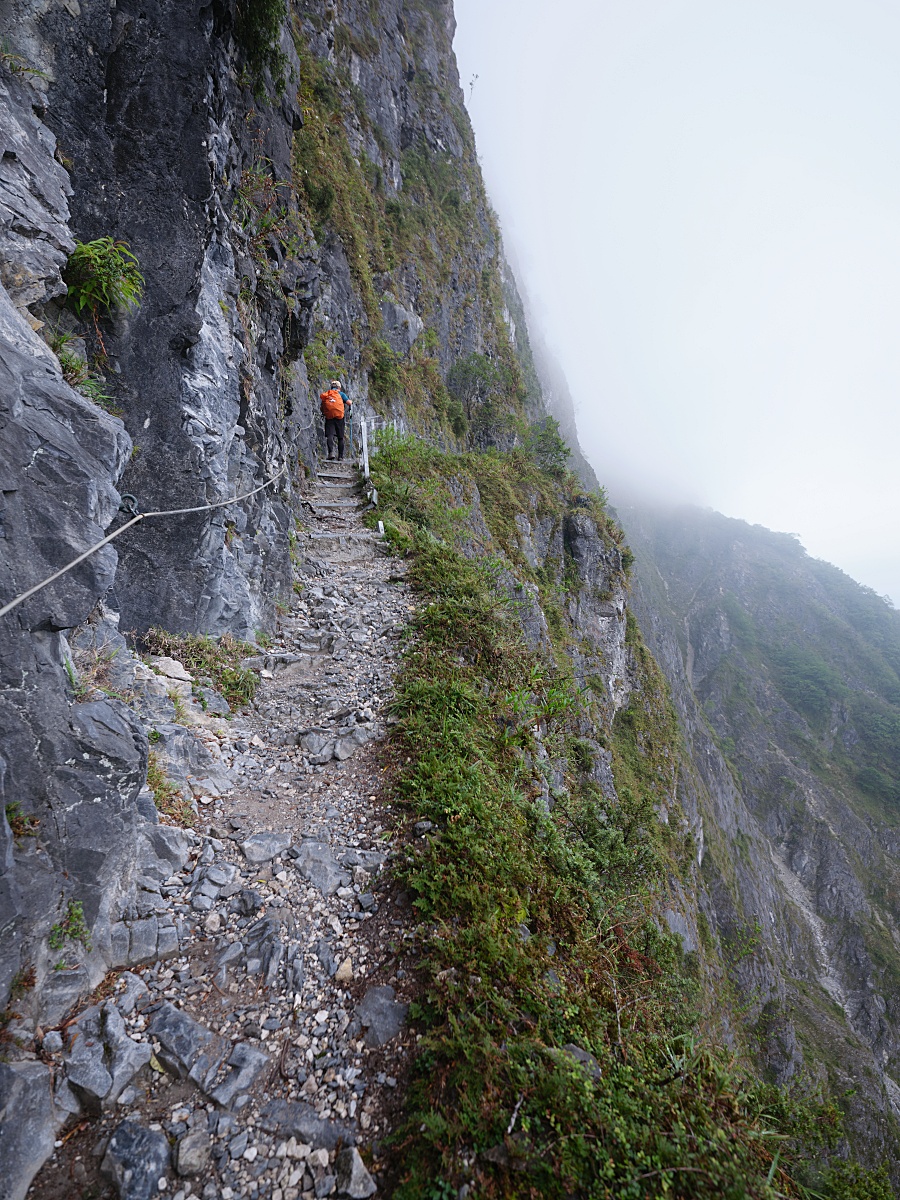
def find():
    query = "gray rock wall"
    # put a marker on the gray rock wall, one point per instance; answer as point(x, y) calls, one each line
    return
point(74, 771)
point(137, 122)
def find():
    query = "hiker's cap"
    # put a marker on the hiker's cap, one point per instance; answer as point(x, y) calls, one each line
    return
point(335, 383)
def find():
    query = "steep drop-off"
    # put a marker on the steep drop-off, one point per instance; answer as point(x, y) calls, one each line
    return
point(785, 676)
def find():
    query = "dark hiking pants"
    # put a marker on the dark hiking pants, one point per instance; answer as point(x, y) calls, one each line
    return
point(334, 431)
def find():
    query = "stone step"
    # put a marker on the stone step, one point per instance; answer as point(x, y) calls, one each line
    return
point(358, 505)
point(356, 535)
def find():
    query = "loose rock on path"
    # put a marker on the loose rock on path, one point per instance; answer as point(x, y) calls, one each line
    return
point(262, 1060)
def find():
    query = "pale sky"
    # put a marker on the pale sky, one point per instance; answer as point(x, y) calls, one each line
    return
point(703, 200)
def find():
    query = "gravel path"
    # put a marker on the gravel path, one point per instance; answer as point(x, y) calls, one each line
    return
point(269, 1049)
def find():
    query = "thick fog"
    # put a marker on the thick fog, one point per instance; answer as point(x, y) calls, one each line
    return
point(702, 200)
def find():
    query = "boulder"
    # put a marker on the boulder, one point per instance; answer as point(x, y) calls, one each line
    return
point(191, 1051)
point(293, 1118)
point(317, 863)
point(135, 1160)
point(345, 746)
point(382, 1015)
point(352, 1177)
point(124, 1056)
point(248, 1065)
point(262, 847)
point(187, 1049)
point(192, 1153)
point(86, 1070)
point(584, 1059)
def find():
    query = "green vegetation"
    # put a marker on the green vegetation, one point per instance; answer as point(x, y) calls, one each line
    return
point(322, 363)
point(258, 27)
point(70, 928)
point(333, 188)
point(822, 661)
point(172, 805)
point(22, 824)
point(537, 929)
point(440, 221)
point(263, 211)
point(487, 390)
point(22, 982)
point(219, 661)
point(103, 275)
point(181, 713)
point(16, 64)
point(548, 447)
point(797, 669)
point(78, 373)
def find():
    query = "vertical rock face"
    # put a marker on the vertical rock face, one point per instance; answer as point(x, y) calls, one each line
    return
point(140, 97)
point(75, 770)
point(252, 251)
point(337, 227)
point(34, 234)
point(784, 673)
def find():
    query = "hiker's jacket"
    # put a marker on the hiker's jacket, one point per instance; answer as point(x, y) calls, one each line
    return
point(333, 403)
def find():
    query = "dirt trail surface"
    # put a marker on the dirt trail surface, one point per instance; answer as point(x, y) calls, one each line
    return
point(262, 1060)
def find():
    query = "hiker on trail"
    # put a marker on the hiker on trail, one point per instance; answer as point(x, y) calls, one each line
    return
point(335, 403)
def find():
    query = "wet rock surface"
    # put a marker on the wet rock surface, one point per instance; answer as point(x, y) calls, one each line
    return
point(267, 1049)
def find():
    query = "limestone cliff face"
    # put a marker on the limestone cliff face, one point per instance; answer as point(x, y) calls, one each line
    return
point(76, 769)
point(336, 225)
point(168, 148)
point(784, 675)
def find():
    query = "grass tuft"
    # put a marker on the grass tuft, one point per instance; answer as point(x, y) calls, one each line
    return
point(172, 805)
point(219, 661)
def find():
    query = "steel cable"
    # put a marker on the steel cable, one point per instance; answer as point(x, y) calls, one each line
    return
point(171, 512)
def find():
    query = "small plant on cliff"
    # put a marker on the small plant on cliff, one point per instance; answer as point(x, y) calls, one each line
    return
point(385, 380)
point(181, 712)
point(21, 824)
point(79, 374)
point(16, 64)
point(322, 361)
point(23, 981)
point(167, 796)
point(262, 212)
point(103, 275)
point(71, 928)
point(258, 29)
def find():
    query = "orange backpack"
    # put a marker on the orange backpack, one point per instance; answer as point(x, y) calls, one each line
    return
point(332, 404)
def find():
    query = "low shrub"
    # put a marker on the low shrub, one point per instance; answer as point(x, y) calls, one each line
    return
point(174, 807)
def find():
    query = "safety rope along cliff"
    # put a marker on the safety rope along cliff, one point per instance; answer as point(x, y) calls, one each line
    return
point(139, 516)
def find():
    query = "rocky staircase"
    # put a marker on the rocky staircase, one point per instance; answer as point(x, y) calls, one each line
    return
point(337, 502)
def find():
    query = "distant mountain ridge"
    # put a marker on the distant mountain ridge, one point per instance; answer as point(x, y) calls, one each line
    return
point(786, 677)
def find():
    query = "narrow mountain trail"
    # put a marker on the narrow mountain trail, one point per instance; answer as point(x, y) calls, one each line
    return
point(278, 1032)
